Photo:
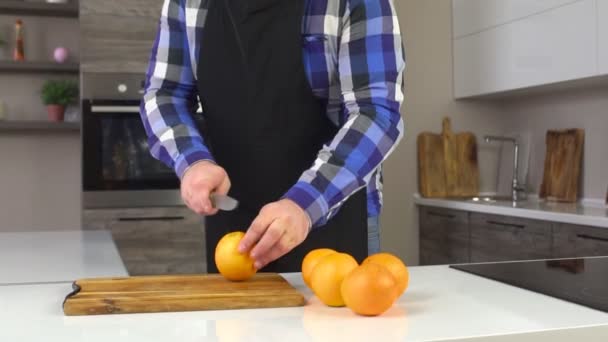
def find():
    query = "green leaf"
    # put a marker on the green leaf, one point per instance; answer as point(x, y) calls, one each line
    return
point(59, 92)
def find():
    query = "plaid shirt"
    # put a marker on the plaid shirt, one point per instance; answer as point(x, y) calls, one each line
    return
point(354, 61)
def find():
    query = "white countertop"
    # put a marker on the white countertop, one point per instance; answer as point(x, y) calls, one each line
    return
point(441, 304)
point(572, 213)
point(34, 257)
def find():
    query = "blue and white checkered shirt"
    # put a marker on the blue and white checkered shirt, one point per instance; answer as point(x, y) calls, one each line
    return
point(354, 60)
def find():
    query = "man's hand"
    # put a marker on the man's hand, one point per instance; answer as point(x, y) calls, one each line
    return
point(279, 228)
point(200, 181)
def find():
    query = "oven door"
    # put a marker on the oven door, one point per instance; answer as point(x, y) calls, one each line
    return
point(115, 152)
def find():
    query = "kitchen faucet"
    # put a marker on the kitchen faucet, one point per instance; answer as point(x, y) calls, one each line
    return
point(516, 188)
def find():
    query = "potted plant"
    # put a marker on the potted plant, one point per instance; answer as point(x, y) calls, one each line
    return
point(57, 95)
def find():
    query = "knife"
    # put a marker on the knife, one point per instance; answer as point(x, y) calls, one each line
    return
point(224, 202)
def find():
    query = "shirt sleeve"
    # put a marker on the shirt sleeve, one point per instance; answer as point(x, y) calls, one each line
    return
point(170, 98)
point(371, 63)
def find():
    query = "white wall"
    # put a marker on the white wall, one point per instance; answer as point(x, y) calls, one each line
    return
point(427, 30)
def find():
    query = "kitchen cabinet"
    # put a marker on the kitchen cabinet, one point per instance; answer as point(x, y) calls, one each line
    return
point(502, 238)
point(602, 10)
point(444, 236)
point(472, 16)
point(153, 241)
point(117, 35)
point(579, 241)
point(557, 45)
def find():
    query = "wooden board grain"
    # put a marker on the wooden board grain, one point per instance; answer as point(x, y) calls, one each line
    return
point(461, 166)
point(563, 165)
point(178, 293)
point(431, 165)
point(447, 164)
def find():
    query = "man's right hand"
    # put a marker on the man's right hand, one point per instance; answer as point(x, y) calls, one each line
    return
point(199, 182)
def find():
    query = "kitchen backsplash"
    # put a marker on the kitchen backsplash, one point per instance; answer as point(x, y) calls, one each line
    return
point(585, 108)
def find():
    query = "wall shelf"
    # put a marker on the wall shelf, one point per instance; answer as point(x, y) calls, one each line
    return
point(39, 67)
point(19, 7)
point(38, 126)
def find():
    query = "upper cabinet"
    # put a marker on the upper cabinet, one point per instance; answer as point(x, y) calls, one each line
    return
point(516, 44)
point(473, 16)
point(117, 35)
point(602, 11)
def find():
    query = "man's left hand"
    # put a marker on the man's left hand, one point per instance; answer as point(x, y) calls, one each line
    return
point(279, 228)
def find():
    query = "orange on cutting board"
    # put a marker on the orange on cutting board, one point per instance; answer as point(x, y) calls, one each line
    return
point(310, 261)
point(394, 265)
point(369, 290)
point(326, 277)
point(232, 264)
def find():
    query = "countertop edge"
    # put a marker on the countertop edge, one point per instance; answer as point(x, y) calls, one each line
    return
point(576, 219)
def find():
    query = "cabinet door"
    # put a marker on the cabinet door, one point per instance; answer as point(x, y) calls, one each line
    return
point(602, 11)
point(500, 238)
point(472, 16)
point(154, 241)
point(578, 241)
point(444, 236)
point(554, 46)
point(117, 35)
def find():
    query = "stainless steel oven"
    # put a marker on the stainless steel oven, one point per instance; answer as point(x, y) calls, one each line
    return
point(117, 168)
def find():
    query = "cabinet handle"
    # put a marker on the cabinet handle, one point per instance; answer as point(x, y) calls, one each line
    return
point(589, 237)
point(508, 225)
point(161, 218)
point(448, 216)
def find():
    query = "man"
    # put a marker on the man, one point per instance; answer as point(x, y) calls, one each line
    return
point(300, 101)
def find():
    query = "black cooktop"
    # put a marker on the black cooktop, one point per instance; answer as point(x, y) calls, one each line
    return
point(582, 281)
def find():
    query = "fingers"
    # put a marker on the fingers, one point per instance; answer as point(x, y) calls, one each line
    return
point(224, 186)
point(197, 199)
point(269, 240)
point(199, 182)
point(256, 230)
point(202, 197)
point(279, 249)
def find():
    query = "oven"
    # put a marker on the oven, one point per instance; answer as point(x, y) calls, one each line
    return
point(117, 168)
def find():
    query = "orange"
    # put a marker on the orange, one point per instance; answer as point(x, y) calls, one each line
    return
point(232, 264)
point(369, 290)
point(394, 265)
point(327, 276)
point(310, 261)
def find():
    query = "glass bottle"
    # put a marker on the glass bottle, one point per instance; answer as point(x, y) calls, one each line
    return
point(19, 54)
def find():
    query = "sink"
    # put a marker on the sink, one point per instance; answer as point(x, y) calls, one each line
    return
point(490, 199)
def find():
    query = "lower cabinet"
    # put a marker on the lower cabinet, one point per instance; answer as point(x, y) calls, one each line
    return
point(153, 241)
point(577, 241)
point(501, 238)
point(444, 236)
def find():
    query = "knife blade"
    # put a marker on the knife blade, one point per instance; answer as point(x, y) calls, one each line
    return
point(224, 202)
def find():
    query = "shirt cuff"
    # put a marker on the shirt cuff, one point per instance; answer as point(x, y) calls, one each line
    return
point(187, 160)
point(311, 200)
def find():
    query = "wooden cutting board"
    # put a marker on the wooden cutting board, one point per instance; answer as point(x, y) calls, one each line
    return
point(563, 165)
point(447, 163)
point(178, 293)
point(431, 165)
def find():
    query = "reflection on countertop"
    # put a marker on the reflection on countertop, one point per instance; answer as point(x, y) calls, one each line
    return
point(583, 213)
point(441, 304)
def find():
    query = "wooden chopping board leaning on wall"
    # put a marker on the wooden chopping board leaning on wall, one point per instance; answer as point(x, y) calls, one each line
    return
point(563, 161)
point(447, 164)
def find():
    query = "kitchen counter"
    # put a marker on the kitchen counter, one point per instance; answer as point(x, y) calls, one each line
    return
point(441, 304)
point(35, 257)
point(572, 213)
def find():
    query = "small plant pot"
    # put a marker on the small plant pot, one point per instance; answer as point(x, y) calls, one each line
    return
point(56, 112)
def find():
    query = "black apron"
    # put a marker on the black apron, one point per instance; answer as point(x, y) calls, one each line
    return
point(263, 123)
